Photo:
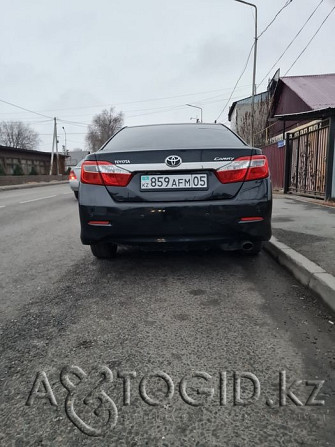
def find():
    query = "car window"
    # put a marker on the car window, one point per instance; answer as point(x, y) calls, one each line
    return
point(178, 136)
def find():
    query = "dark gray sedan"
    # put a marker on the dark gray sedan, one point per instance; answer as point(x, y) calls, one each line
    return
point(175, 185)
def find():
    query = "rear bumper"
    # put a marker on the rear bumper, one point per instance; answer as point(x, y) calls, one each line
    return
point(74, 185)
point(217, 221)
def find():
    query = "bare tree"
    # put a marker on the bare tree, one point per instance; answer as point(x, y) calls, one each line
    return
point(104, 125)
point(18, 135)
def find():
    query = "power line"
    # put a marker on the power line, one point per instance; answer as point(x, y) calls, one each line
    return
point(180, 107)
point(68, 133)
point(289, 45)
point(74, 123)
point(23, 108)
point(32, 122)
point(248, 58)
point(130, 102)
point(165, 108)
point(152, 99)
point(210, 99)
point(243, 71)
point(281, 9)
point(207, 100)
point(309, 42)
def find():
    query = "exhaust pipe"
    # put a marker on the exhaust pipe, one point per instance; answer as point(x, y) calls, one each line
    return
point(247, 246)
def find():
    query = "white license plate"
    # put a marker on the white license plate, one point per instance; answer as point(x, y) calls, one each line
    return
point(183, 181)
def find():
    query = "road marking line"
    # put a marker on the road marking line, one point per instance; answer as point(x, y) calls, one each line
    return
point(40, 198)
point(2, 206)
point(67, 192)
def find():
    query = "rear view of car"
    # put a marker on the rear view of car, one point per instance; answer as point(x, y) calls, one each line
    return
point(175, 184)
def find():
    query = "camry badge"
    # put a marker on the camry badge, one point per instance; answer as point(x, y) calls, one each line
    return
point(173, 161)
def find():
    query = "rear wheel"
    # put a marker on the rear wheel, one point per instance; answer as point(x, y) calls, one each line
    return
point(76, 194)
point(104, 251)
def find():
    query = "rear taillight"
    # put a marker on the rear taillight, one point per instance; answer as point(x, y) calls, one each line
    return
point(72, 175)
point(251, 219)
point(244, 169)
point(104, 173)
point(100, 223)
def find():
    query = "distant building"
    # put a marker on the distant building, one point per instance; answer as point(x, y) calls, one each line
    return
point(295, 126)
point(240, 117)
point(30, 161)
point(301, 128)
point(295, 95)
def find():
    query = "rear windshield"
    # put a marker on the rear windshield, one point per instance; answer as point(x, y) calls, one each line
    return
point(177, 136)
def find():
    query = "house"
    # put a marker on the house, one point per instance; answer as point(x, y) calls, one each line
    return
point(301, 122)
point(295, 95)
point(29, 161)
point(240, 117)
point(298, 134)
point(240, 114)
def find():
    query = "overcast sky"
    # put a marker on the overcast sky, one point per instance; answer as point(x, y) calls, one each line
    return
point(148, 58)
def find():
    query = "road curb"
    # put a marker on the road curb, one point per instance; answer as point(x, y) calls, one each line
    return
point(32, 185)
point(307, 272)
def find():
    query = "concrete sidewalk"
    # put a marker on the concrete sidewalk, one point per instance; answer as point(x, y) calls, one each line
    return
point(307, 228)
point(304, 242)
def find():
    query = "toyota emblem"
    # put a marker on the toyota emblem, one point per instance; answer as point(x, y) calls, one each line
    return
point(173, 161)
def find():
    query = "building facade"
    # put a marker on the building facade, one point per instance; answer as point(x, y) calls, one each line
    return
point(240, 117)
point(28, 162)
point(297, 133)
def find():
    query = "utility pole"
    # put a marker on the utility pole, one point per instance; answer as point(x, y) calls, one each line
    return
point(54, 139)
point(64, 140)
point(253, 73)
point(57, 172)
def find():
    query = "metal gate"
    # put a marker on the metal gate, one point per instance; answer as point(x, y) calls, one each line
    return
point(308, 160)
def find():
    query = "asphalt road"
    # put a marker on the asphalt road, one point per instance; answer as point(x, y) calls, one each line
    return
point(67, 318)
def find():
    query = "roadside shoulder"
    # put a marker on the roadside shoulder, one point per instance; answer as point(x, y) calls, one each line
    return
point(32, 185)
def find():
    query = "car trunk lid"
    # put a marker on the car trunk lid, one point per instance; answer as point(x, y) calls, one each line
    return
point(193, 163)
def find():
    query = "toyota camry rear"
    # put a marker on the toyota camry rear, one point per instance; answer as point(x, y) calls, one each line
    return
point(175, 185)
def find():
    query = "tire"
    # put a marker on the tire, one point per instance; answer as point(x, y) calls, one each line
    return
point(255, 250)
point(76, 194)
point(104, 251)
